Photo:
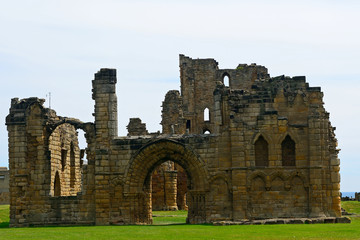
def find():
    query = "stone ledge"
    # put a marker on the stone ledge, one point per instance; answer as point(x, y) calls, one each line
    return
point(285, 221)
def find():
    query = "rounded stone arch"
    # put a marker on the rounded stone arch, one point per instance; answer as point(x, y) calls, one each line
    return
point(206, 131)
point(88, 128)
point(153, 154)
point(223, 77)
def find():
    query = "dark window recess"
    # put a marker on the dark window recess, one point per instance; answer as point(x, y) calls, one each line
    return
point(57, 186)
point(63, 158)
point(261, 153)
point(72, 166)
point(288, 152)
point(188, 124)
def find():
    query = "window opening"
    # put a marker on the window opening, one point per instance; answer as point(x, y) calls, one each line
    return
point(188, 124)
point(261, 152)
point(72, 165)
point(63, 158)
point(57, 186)
point(82, 147)
point(288, 152)
point(206, 114)
point(226, 80)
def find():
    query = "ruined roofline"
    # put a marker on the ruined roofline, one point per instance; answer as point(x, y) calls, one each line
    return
point(17, 114)
point(184, 59)
point(226, 71)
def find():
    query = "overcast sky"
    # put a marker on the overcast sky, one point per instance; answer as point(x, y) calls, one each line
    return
point(57, 46)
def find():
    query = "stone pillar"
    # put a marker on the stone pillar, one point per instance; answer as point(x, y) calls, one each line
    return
point(170, 190)
point(105, 114)
point(104, 94)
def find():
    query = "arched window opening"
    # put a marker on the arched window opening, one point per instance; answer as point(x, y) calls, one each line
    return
point(226, 80)
point(207, 131)
point(57, 185)
point(206, 114)
point(72, 165)
point(288, 152)
point(261, 152)
point(82, 147)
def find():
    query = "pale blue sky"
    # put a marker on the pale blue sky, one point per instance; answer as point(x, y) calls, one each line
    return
point(57, 46)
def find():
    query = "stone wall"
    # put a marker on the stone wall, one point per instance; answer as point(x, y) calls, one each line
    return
point(65, 161)
point(4, 186)
point(269, 152)
point(136, 127)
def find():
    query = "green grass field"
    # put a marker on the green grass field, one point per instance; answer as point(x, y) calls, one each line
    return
point(183, 231)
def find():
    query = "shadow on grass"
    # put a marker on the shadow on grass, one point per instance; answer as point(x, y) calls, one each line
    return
point(4, 224)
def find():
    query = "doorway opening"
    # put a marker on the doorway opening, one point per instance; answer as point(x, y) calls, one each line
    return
point(139, 176)
point(168, 194)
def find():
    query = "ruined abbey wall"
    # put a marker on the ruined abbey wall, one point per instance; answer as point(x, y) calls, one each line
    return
point(4, 186)
point(254, 148)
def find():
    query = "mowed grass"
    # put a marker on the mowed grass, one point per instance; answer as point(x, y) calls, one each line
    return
point(184, 231)
point(169, 217)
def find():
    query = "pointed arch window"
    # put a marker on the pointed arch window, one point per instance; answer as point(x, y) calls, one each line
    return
point(261, 152)
point(288, 152)
point(57, 185)
point(206, 114)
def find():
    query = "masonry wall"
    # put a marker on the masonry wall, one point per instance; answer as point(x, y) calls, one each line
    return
point(270, 152)
point(32, 132)
point(4, 186)
point(65, 161)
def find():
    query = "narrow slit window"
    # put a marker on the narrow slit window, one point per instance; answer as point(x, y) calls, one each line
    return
point(188, 124)
point(206, 114)
point(72, 166)
point(57, 185)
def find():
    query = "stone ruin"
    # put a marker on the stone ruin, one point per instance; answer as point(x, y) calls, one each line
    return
point(4, 186)
point(251, 147)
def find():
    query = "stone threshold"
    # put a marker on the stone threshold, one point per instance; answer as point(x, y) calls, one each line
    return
point(285, 221)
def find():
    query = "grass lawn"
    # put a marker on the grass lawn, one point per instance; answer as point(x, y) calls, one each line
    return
point(183, 231)
point(169, 217)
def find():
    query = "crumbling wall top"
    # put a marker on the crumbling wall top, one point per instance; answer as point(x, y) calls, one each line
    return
point(106, 74)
